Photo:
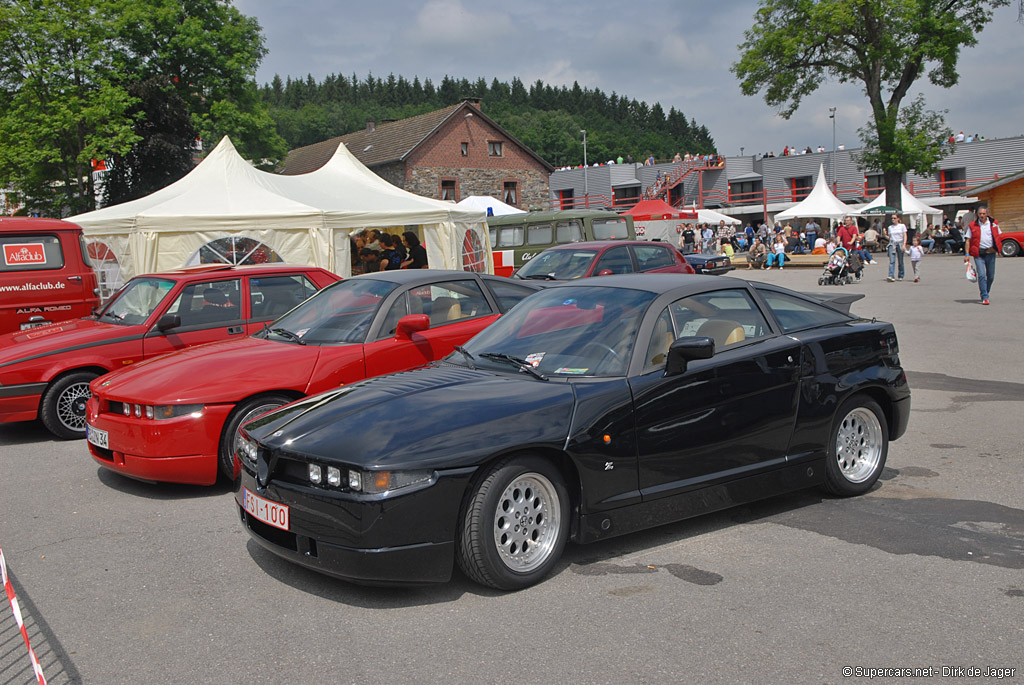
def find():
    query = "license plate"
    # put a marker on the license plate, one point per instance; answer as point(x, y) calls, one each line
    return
point(264, 510)
point(97, 437)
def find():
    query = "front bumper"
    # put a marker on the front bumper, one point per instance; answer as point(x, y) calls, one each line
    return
point(20, 402)
point(179, 450)
point(391, 540)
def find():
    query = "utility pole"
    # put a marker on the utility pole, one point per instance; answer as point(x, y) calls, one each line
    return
point(832, 116)
point(586, 189)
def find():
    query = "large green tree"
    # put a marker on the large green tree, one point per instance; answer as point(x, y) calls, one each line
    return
point(884, 45)
point(63, 102)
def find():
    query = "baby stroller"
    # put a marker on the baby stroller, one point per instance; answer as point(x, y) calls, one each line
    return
point(842, 268)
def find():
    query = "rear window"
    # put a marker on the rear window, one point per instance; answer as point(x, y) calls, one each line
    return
point(610, 229)
point(796, 314)
point(31, 252)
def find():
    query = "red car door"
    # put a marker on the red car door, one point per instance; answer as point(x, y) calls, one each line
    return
point(457, 310)
point(209, 310)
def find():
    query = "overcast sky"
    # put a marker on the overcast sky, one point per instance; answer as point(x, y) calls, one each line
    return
point(668, 51)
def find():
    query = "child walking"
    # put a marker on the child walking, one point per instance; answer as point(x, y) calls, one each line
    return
point(916, 253)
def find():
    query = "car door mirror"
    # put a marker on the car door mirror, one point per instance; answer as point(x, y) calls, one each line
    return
point(411, 323)
point(605, 272)
point(684, 350)
point(167, 322)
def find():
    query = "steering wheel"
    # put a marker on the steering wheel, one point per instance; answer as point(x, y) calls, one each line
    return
point(607, 350)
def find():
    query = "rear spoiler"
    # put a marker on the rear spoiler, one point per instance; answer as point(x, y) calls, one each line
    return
point(840, 301)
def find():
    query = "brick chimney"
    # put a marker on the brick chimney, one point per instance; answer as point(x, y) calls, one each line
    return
point(370, 127)
point(475, 102)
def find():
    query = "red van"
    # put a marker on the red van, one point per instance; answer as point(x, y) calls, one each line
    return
point(45, 273)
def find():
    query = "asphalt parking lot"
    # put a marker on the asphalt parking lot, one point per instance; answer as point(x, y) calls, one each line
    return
point(127, 582)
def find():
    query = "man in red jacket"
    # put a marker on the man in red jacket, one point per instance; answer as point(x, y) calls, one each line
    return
point(983, 243)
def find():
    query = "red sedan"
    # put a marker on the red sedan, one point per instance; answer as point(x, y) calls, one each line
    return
point(603, 258)
point(45, 372)
point(176, 418)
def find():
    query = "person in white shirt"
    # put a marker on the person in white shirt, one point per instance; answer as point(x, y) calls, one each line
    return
point(916, 253)
point(897, 231)
point(982, 240)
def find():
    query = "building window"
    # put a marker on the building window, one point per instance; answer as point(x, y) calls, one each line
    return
point(494, 148)
point(746, 192)
point(565, 199)
point(874, 184)
point(449, 190)
point(510, 196)
point(952, 181)
point(800, 187)
point(465, 149)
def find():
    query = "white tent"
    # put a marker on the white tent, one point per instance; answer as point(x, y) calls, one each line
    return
point(485, 202)
point(225, 210)
point(710, 216)
point(911, 205)
point(819, 204)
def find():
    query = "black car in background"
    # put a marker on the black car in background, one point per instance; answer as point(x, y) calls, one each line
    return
point(714, 265)
point(588, 411)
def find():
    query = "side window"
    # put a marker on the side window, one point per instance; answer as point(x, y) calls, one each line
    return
point(615, 260)
point(399, 309)
point(208, 303)
point(610, 229)
point(508, 294)
point(653, 257)
point(568, 232)
point(453, 301)
point(31, 252)
point(272, 296)
point(730, 317)
point(662, 337)
point(539, 234)
point(795, 314)
point(510, 236)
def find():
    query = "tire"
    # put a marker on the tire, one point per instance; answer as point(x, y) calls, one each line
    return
point(62, 408)
point(244, 412)
point(1011, 248)
point(492, 549)
point(857, 447)
point(821, 281)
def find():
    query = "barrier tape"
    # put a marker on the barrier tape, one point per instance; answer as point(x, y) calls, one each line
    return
point(9, 589)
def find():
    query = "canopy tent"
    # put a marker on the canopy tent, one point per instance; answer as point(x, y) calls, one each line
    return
point(911, 205)
point(489, 205)
point(710, 216)
point(225, 210)
point(819, 204)
point(658, 220)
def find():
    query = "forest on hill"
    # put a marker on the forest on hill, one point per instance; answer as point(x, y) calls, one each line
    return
point(546, 118)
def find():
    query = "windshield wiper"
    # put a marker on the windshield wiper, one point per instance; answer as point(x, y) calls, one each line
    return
point(524, 366)
point(465, 353)
point(284, 333)
point(542, 277)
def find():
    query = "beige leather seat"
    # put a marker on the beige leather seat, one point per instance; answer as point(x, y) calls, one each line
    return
point(661, 339)
point(445, 309)
point(723, 331)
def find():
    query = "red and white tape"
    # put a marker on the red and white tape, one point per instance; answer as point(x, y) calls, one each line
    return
point(9, 589)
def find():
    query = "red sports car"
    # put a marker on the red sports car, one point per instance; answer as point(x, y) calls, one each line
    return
point(176, 418)
point(45, 372)
point(603, 258)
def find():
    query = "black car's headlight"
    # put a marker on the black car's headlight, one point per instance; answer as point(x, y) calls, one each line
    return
point(368, 482)
point(247, 448)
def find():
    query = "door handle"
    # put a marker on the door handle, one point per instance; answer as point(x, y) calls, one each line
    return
point(234, 330)
point(75, 278)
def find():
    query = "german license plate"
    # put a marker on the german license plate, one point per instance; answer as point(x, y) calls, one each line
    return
point(264, 510)
point(97, 437)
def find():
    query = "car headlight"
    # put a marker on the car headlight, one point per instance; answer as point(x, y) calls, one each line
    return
point(247, 447)
point(170, 411)
point(376, 482)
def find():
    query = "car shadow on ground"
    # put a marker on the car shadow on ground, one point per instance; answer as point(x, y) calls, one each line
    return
point(26, 433)
point(599, 558)
point(160, 491)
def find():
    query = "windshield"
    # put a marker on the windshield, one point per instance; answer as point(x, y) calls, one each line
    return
point(559, 265)
point(340, 313)
point(610, 229)
point(136, 301)
point(572, 331)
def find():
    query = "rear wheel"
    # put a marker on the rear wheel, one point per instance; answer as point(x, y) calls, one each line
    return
point(244, 412)
point(62, 408)
point(857, 448)
point(515, 524)
point(1011, 248)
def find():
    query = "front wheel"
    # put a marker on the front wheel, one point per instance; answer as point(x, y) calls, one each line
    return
point(62, 408)
point(857, 447)
point(515, 524)
point(1010, 248)
point(243, 413)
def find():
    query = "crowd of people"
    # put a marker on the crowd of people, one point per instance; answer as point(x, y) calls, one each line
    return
point(373, 251)
point(705, 160)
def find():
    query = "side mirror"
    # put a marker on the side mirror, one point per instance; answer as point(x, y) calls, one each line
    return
point(411, 323)
point(684, 350)
point(605, 272)
point(167, 322)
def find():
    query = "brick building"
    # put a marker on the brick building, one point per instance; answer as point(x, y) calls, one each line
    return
point(448, 154)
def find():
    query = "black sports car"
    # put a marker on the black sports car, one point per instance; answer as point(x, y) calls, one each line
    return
point(588, 411)
point(715, 265)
